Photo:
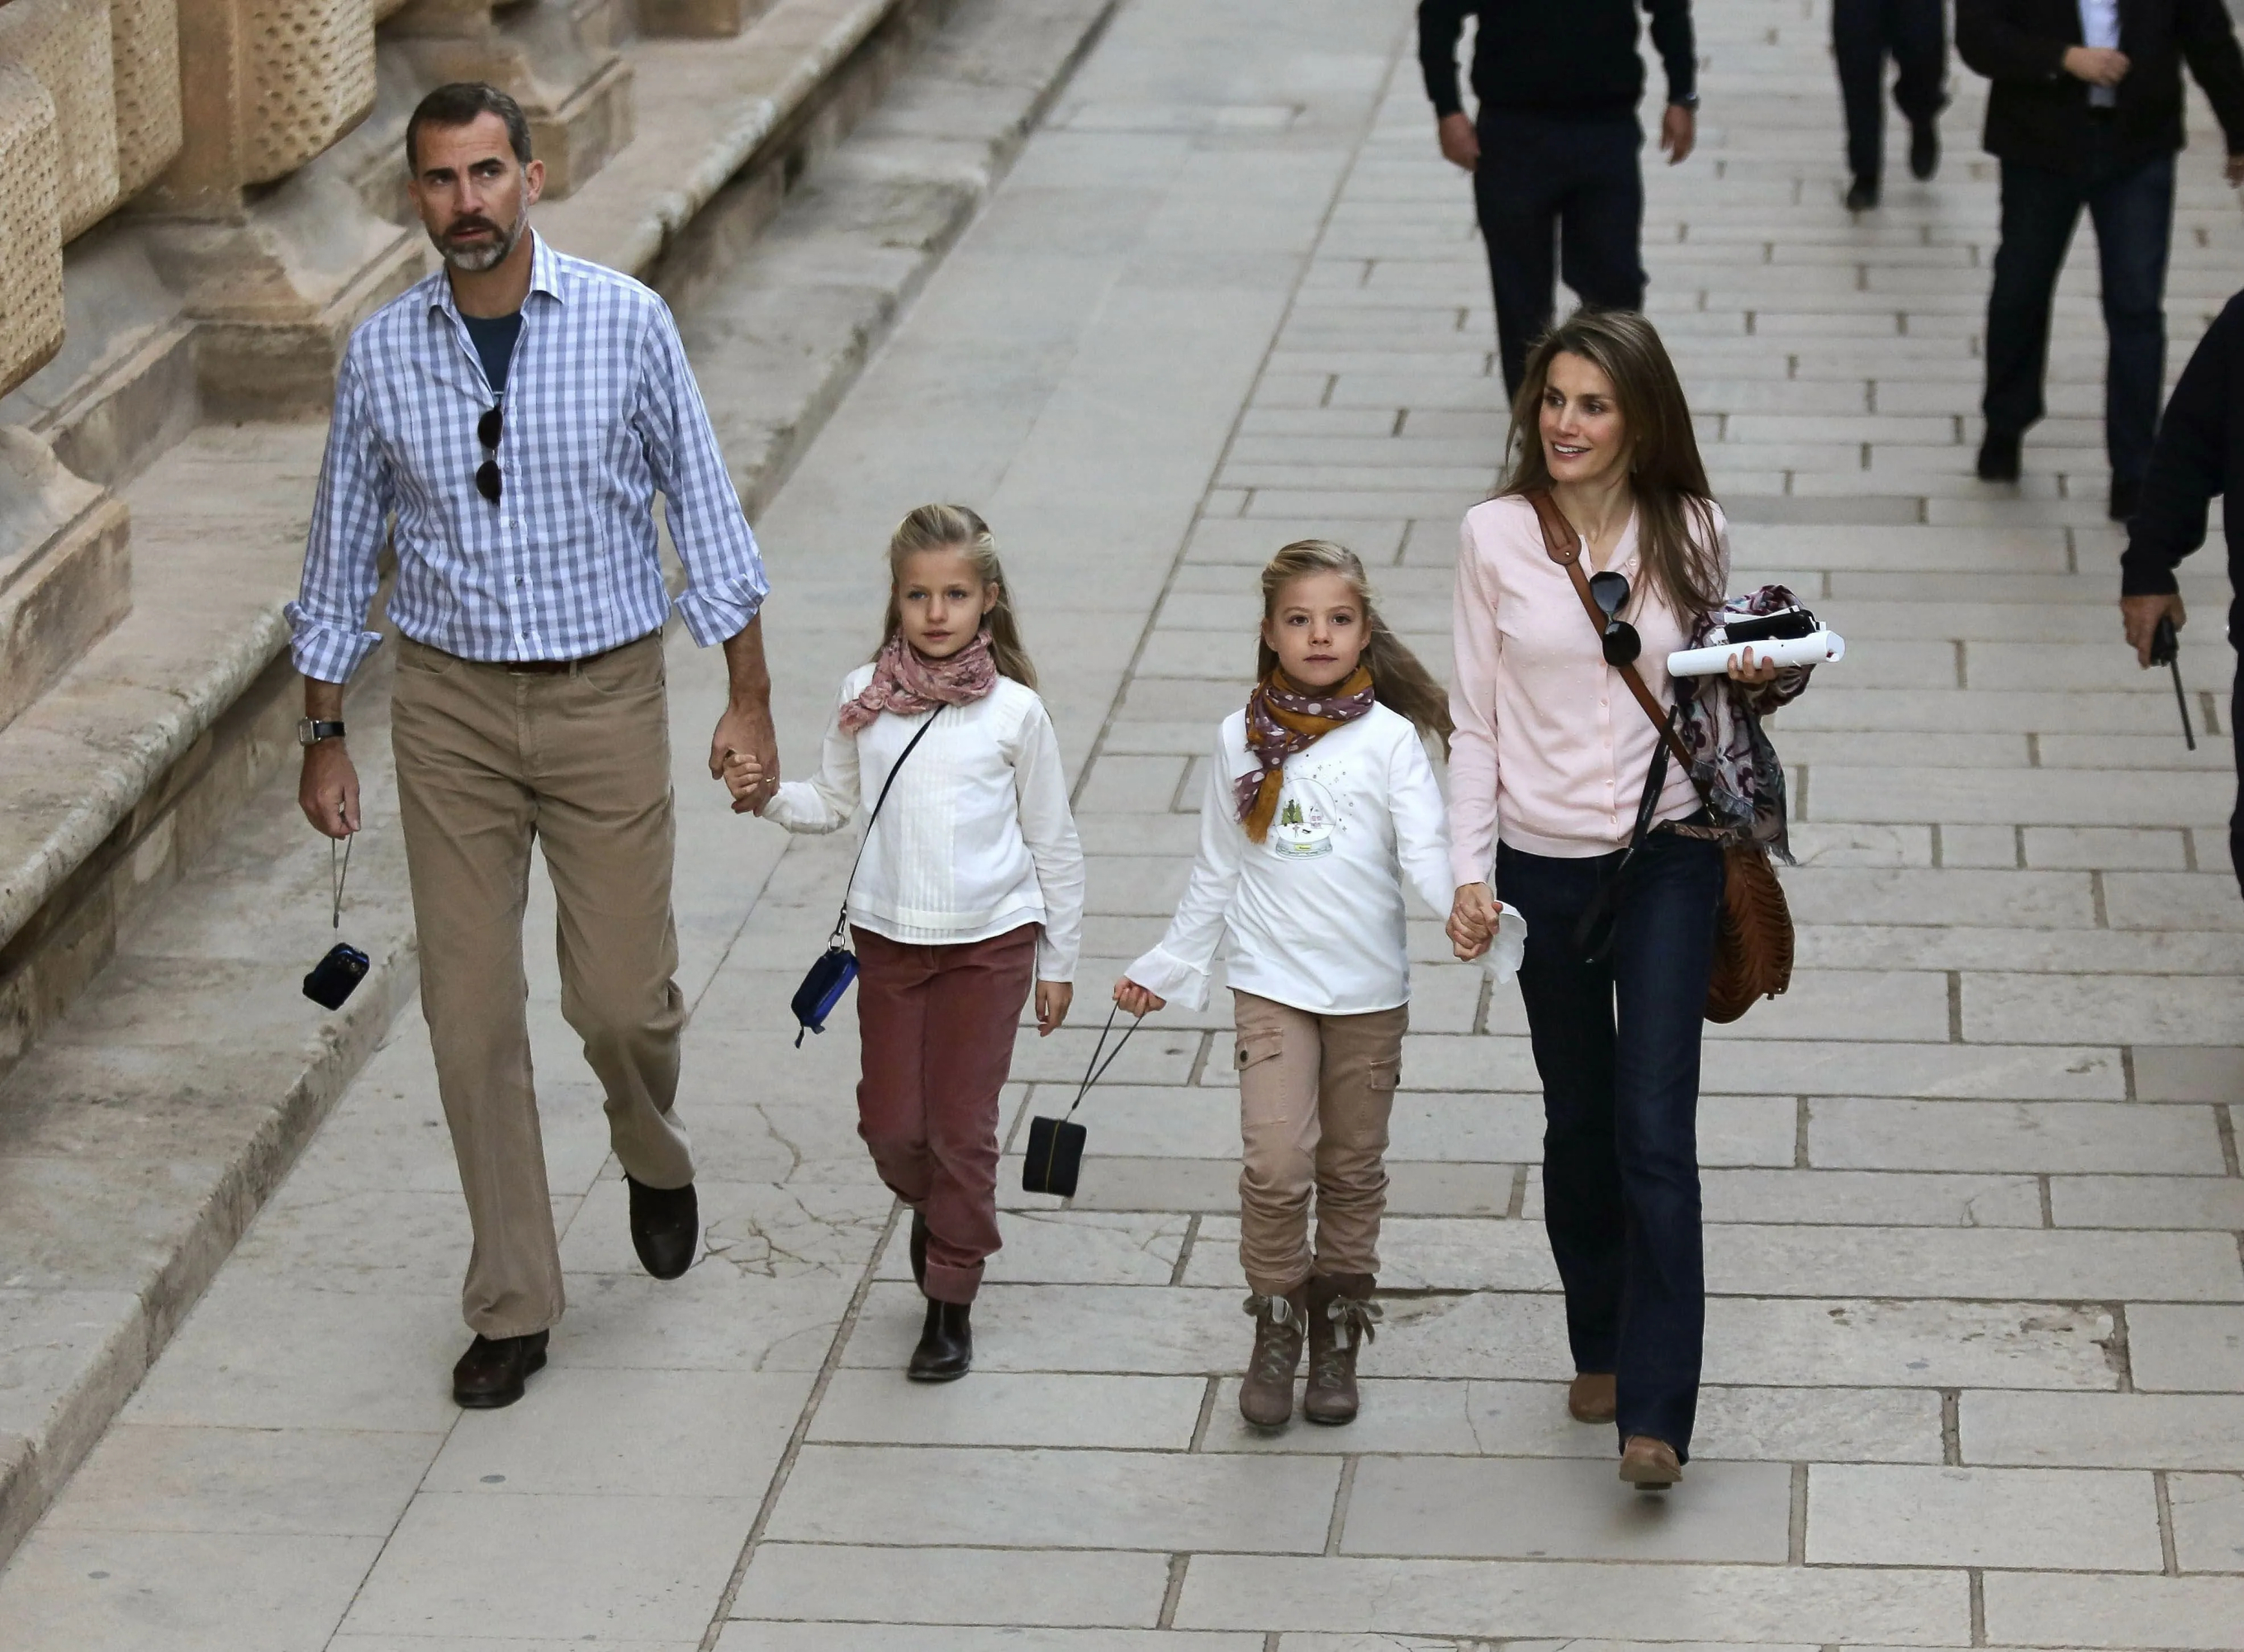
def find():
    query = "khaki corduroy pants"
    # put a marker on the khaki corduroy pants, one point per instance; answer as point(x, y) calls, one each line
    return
point(489, 759)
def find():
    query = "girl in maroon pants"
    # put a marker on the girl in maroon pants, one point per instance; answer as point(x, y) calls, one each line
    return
point(970, 889)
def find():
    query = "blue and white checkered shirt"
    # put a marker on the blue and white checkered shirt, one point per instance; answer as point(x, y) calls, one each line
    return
point(601, 412)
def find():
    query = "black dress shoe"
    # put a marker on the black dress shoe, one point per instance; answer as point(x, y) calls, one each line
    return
point(1864, 195)
point(946, 1345)
point(665, 1225)
point(2126, 495)
point(490, 1374)
point(1923, 148)
point(918, 1250)
point(1998, 456)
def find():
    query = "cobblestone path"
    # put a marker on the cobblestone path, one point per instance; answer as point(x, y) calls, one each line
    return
point(1976, 1352)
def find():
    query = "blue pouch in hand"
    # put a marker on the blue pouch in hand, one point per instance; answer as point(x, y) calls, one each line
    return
point(828, 978)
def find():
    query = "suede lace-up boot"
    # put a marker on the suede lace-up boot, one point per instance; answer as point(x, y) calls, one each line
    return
point(1341, 1316)
point(1265, 1398)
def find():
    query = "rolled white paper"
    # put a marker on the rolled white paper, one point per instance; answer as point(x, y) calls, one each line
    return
point(1817, 648)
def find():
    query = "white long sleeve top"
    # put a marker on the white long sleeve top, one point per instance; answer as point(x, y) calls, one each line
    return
point(1315, 912)
point(976, 838)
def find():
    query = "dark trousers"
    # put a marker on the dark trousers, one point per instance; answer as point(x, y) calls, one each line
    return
point(1617, 1045)
point(936, 1026)
point(2133, 208)
point(1575, 182)
point(1864, 33)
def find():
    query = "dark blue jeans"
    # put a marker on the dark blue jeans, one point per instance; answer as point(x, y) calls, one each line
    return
point(1863, 34)
point(2132, 208)
point(1617, 1045)
point(1544, 179)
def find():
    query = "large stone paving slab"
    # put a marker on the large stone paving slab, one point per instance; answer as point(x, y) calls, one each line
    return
point(1976, 1353)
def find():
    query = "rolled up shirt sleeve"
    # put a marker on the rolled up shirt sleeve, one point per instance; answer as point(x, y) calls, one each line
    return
point(350, 517)
point(725, 585)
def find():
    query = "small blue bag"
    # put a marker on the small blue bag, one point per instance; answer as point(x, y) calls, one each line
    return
point(828, 979)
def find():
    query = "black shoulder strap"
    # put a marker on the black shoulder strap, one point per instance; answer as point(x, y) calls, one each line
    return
point(841, 923)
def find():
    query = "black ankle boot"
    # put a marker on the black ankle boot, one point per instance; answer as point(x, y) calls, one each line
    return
point(946, 1345)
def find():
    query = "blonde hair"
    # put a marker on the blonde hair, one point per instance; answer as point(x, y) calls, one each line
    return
point(953, 527)
point(1399, 682)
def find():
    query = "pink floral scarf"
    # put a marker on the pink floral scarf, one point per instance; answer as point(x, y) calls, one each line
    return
point(906, 683)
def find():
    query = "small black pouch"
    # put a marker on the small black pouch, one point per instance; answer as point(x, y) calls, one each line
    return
point(1055, 1155)
point(1055, 1158)
point(826, 980)
point(335, 977)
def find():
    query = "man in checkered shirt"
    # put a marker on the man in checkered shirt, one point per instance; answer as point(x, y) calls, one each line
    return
point(505, 424)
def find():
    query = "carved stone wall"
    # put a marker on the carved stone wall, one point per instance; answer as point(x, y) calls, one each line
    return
point(309, 70)
point(65, 45)
point(144, 39)
point(30, 228)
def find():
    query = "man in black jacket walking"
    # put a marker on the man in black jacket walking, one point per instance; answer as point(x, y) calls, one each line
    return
point(1553, 154)
point(2199, 453)
point(2086, 112)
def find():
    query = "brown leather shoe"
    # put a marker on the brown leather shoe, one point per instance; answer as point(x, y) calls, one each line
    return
point(492, 1373)
point(1265, 1398)
point(1342, 1315)
point(1648, 1464)
point(1590, 1398)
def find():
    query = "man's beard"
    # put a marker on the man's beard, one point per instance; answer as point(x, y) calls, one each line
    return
point(475, 257)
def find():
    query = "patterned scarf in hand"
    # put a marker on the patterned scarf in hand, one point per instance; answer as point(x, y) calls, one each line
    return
point(906, 683)
point(1282, 719)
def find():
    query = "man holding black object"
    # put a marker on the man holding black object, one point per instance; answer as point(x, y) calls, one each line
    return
point(2086, 112)
point(1555, 149)
point(2199, 453)
point(505, 424)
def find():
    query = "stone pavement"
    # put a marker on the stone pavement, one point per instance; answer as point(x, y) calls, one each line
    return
point(1976, 1354)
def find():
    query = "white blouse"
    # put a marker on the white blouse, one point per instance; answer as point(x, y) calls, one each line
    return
point(1315, 912)
point(976, 838)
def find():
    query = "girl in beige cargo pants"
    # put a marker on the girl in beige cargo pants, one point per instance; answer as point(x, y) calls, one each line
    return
point(1320, 801)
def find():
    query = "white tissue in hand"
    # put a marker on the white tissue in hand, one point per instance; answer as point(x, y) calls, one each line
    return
point(1504, 952)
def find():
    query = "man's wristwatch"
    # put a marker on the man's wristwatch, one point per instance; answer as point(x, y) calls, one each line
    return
point(1690, 103)
point(309, 733)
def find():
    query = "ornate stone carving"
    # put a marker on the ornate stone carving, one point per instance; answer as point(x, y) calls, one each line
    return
point(65, 44)
point(144, 47)
point(308, 79)
point(30, 228)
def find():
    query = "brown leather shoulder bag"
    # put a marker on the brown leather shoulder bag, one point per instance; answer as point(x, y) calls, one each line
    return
point(1753, 941)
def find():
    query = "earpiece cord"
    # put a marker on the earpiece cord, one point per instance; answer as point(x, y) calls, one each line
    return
point(337, 874)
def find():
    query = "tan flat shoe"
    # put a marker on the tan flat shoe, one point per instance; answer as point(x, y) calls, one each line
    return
point(1590, 1398)
point(1648, 1464)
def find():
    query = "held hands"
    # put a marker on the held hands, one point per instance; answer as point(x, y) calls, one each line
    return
point(2097, 65)
point(1136, 999)
point(2139, 617)
point(1053, 999)
point(743, 774)
point(1742, 669)
point(1471, 927)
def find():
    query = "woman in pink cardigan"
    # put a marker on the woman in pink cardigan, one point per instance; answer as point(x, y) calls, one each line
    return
point(1554, 763)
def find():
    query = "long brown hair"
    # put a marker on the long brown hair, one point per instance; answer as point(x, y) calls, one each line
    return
point(953, 527)
point(1675, 518)
point(1398, 680)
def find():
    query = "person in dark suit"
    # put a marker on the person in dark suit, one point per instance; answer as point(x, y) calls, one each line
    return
point(2085, 110)
point(1914, 33)
point(2200, 455)
point(1554, 151)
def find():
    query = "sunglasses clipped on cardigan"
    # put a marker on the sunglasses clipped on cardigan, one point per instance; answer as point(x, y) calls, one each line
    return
point(828, 978)
point(1753, 941)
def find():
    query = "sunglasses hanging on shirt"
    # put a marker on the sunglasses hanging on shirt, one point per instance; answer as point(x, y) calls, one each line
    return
point(489, 429)
point(1622, 645)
